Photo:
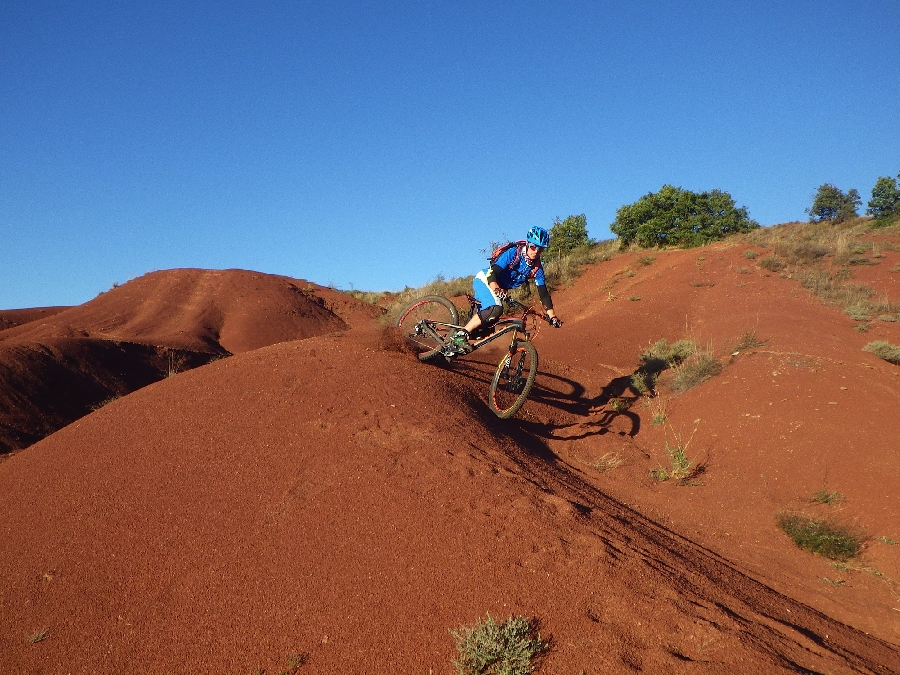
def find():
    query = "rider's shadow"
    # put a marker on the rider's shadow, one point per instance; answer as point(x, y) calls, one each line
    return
point(600, 417)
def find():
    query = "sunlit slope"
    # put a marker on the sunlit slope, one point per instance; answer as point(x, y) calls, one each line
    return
point(332, 498)
point(798, 409)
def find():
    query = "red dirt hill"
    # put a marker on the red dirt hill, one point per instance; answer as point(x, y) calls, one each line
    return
point(335, 498)
point(56, 363)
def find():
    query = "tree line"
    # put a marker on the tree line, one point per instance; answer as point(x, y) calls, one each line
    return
point(674, 216)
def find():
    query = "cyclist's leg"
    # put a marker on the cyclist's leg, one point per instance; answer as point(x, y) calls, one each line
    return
point(488, 300)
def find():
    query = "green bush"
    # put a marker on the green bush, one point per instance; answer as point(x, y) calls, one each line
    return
point(828, 539)
point(831, 204)
point(885, 202)
point(677, 217)
point(499, 649)
point(567, 235)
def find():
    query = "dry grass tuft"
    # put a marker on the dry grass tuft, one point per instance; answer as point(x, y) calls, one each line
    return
point(884, 350)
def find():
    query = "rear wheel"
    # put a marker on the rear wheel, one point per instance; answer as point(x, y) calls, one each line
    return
point(513, 380)
point(434, 308)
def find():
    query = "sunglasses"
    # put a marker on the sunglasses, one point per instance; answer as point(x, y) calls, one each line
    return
point(533, 247)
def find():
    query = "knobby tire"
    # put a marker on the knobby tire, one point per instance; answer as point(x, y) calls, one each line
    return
point(511, 385)
point(433, 308)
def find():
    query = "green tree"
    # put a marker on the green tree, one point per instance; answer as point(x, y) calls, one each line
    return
point(567, 235)
point(677, 217)
point(831, 204)
point(885, 202)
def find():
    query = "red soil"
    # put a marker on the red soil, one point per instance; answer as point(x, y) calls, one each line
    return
point(58, 363)
point(335, 497)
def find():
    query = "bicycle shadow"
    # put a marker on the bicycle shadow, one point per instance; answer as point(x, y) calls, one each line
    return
point(568, 396)
point(571, 397)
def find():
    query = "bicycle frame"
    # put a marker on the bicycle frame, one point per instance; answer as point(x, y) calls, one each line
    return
point(502, 327)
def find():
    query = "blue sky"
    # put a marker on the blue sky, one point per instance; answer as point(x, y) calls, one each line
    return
point(374, 145)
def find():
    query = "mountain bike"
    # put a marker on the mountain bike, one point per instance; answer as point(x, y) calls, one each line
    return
point(428, 325)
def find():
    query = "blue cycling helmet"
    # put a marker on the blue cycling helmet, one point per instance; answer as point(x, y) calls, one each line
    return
point(538, 236)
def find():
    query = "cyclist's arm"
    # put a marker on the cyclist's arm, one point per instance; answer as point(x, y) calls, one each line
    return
point(546, 300)
point(493, 274)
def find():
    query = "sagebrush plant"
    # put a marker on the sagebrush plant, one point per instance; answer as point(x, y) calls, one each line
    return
point(823, 537)
point(884, 350)
point(507, 648)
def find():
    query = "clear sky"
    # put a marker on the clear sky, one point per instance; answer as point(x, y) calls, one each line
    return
point(375, 145)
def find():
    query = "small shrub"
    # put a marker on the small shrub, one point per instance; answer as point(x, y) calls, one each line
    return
point(890, 318)
point(680, 467)
point(857, 313)
point(826, 497)
point(635, 298)
point(658, 418)
point(828, 539)
point(499, 649)
point(694, 371)
point(884, 350)
point(619, 405)
point(643, 382)
point(772, 264)
point(661, 353)
point(750, 255)
point(748, 341)
point(646, 260)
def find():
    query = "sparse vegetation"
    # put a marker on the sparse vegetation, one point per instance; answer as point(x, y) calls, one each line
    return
point(499, 649)
point(656, 358)
point(39, 636)
point(772, 264)
point(681, 469)
point(646, 260)
point(295, 661)
point(750, 255)
point(825, 538)
point(619, 405)
point(104, 402)
point(609, 461)
point(695, 370)
point(748, 341)
point(826, 497)
point(635, 298)
point(884, 350)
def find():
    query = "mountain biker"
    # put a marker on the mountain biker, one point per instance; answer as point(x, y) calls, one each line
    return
point(514, 267)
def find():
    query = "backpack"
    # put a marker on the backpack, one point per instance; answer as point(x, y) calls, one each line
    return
point(520, 246)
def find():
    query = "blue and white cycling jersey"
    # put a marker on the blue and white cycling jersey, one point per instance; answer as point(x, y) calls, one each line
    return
point(508, 278)
point(521, 271)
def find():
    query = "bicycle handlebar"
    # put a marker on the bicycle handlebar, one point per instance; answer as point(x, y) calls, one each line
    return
point(516, 303)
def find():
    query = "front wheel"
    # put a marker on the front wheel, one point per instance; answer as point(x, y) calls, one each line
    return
point(513, 380)
point(434, 308)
